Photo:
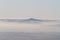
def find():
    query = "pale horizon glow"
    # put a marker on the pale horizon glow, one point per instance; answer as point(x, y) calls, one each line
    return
point(45, 9)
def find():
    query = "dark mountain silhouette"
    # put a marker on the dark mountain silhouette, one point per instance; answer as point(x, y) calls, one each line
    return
point(29, 20)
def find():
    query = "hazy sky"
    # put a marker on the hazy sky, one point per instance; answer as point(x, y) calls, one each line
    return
point(49, 9)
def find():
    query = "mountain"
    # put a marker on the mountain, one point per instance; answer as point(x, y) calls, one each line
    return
point(29, 20)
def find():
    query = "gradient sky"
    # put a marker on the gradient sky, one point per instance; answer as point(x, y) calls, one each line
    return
point(49, 9)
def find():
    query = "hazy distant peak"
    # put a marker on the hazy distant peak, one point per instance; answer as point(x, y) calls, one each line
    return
point(33, 19)
point(29, 20)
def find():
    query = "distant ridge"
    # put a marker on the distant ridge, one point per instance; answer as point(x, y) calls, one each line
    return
point(29, 20)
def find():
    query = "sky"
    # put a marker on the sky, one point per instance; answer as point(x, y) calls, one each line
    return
point(46, 9)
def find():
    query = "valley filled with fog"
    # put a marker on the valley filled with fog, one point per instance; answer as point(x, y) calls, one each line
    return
point(29, 29)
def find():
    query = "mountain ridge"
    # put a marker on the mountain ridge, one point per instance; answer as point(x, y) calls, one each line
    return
point(29, 20)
